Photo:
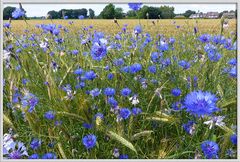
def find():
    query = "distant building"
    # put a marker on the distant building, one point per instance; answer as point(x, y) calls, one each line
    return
point(208, 15)
point(197, 16)
point(212, 15)
point(229, 15)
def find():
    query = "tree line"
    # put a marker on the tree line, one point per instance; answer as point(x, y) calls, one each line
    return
point(111, 12)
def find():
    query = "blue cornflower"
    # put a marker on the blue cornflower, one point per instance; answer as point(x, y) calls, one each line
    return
point(210, 149)
point(6, 25)
point(18, 13)
point(123, 156)
point(233, 72)
point(176, 92)
point(118, 62)
point(212, 52)
point(109, 91)
point(126, 92)
point(74, 52)
point(112, 102)
point(35, 144)
point(189, 127)
point(205, 38)
point(135, 6)
point(124, 113)
point(89, 141)
point(125, 69)
point(110, 76)
point(136, 111)
point(79, 71)
point(56, 31)
point(177, 106)
point(49, 155)
point(135, 68)
point(34, 156)
point(201, 103)
point(87, 125)
point(184, 64)
point(233, 139)
point(152, 69)
point(30, 100)
point(50, 115)
point(80, 85)
point(232, 61)
point(95, 92)
point(13, 150)
point(65, 17)
point(155, 57)
point(81, 17)
point(98, 52)
point(137, 29)
point(171, 40)
point(162, 45)
point(90, 75)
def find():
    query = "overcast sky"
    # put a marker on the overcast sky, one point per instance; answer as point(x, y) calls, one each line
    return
point(42, 9)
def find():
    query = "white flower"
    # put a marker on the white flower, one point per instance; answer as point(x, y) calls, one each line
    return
point(6, 55)
point(134, 100)
point(43, 44)
point(216, 120)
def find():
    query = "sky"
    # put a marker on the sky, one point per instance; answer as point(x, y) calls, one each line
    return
point(42, 9)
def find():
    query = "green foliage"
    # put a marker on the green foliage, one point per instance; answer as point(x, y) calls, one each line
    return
point(7, 12)
point(188, 13)
point(108, 12)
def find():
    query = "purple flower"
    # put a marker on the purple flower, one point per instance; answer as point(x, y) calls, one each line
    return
point(18, 13)
point(49, 155)
point(35, 144)
point(95, 92)
point(135, 68)
point(126, 92)
point(81, 17)
point(233, 139)
point(176, 92)
point(205, 38)
point(30, 100)
point(90, 75)
point(79, 71)
point(98, 52)
point(189, 127)
point(50, 115)
point(74, 52)
point(137, 29)
point(135, 6)
point(109, 91)
point(124, 113)
point(34, 156)
point(152, 69)
point(123, 156)
point(112, 102)
point(201, 103)
point(210, 149)
point(136, 111)
point(89, 141)
point(184, 64)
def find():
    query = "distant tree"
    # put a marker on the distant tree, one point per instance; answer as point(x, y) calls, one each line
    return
point(131, 14)
point(118, 13)
point(188, 13)
point(54, 14)
point(108, 12)
point(221, 13)
point(7, 12)
point(91, 13)
point(149, 12)
point(167, 12)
